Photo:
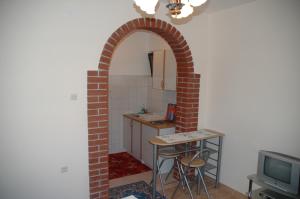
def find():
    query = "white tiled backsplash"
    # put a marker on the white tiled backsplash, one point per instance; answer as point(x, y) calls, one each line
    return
point(128, 94)
point(158, 99)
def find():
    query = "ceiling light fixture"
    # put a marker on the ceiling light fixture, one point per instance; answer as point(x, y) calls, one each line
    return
point(177, 8)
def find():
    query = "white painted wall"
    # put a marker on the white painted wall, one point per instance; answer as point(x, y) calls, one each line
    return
point(46, 49)
point(127, 94)
point(253, 83)
point(131, 55)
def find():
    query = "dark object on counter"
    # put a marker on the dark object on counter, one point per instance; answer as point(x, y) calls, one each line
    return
point(158, 122)
point(171, 112)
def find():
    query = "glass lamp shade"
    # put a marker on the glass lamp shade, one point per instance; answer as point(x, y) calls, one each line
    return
point(196, 3)
point(186, 10)
point(147, 6)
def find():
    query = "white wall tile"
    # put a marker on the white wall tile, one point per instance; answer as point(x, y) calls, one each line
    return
point(127, 93)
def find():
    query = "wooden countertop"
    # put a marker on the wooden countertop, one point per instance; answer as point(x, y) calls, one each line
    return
point(164, 125)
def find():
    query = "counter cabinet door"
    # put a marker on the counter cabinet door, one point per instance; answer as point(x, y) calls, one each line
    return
point(127, 124)
point(158, 69)
point(170, 71)
point(147, 150)
point(136, 139)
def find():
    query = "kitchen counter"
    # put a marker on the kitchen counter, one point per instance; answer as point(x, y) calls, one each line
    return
point(158, 124)
point(138, 129)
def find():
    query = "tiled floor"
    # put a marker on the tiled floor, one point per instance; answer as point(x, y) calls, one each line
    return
point(222, 192)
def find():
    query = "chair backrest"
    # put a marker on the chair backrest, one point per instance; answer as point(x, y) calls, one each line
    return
point(204, 154)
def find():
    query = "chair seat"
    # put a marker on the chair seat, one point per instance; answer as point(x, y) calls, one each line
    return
point(196, 163)
point(168, 152)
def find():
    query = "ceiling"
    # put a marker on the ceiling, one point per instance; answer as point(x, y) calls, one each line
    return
point(218, 5)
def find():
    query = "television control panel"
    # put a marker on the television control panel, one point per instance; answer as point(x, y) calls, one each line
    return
point(268, 194)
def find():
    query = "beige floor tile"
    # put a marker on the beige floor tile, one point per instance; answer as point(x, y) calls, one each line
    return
point(221, 192)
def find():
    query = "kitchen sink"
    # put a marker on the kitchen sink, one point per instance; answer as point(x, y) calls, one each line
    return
point(150, 117)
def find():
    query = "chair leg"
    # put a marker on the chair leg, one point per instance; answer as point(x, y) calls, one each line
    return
point(178, 167)
point(186, 182)
point(158, 171)
point(161, 181)
point(181, 179)
point(158, 168)
point(176, 189)
point(169, 173)
point(204, 185)
point(198, 184)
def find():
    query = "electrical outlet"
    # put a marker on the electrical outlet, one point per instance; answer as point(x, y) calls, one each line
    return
point(73, 97)
point(64, 169)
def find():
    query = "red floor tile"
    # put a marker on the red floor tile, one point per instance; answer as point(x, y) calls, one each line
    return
point(123, 164)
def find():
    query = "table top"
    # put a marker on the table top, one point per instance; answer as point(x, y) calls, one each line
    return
point(186, 137)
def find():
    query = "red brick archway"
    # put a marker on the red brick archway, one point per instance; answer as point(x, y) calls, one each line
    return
point(188, 84)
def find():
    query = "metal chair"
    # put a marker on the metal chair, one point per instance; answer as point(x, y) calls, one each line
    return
point(197, 162)
point(167, 153)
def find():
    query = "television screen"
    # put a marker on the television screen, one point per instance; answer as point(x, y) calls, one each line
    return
point(278, 169)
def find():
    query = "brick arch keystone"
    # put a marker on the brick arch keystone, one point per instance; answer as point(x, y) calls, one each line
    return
point(188, 84)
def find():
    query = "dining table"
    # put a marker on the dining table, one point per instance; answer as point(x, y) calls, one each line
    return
point(182, 138)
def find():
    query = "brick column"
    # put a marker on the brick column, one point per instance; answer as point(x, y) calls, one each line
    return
point(98, 133)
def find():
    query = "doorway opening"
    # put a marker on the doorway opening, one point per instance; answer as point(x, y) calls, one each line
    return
point(187, 96)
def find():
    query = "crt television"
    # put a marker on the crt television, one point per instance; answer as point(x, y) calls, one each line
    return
point(279, 171)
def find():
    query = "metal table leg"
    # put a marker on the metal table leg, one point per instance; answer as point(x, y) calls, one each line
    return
point(186, 147)
point(250, 189)
point(201, 146)
point(154, 171)
point(219, 161)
